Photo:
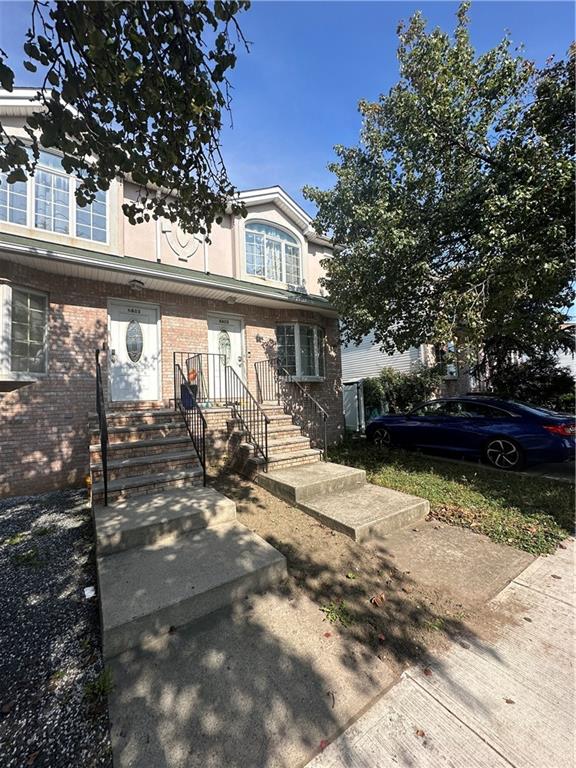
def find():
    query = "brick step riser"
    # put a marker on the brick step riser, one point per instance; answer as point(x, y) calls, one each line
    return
point(126, 451)
point(144, 470)
point(134, 420)
point(253, 468)
point(178, 430)
point(139, 490)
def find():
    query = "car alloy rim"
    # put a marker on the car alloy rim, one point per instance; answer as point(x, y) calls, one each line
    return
point(503, 454)
point(382, 438)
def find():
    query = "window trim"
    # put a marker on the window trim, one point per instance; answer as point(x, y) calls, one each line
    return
point(297, 244)
point(6, 371)
point(319, 330)
point(72, 205)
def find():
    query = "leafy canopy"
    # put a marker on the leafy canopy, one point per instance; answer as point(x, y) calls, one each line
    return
point(135, 90)
point(453, 217)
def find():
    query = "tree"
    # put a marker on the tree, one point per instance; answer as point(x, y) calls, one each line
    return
point(453, 217)
point(135, 90)
point(540, 381)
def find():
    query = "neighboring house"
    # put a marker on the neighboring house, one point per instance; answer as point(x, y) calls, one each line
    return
point(76, 280)
point(366, 360)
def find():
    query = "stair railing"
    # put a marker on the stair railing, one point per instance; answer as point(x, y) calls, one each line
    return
point(249, 412)
point(275, 383)
point(102, 425)
point(185, 401)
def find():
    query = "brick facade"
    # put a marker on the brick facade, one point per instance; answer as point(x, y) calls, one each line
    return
point(44, 427)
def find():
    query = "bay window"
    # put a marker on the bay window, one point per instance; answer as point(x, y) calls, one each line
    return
point(47, 201)
point(301, 350)
point(272, 253)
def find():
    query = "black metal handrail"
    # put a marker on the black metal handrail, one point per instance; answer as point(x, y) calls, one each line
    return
point(102, 425)
point(185, 401)
point(248, 411)
point(275, 383)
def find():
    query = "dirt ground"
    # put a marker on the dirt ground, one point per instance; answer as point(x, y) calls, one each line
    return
point(359, 587)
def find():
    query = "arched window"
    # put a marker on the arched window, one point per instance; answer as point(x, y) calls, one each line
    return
point(272, 253)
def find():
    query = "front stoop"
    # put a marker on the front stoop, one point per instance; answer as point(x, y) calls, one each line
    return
point(168, 560)
point(149, 451)
point(341, 499)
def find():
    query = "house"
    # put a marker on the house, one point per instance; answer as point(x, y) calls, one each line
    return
point(170, 314)
point(366, 360)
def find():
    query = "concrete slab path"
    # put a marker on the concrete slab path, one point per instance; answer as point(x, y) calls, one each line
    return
point(507, 703)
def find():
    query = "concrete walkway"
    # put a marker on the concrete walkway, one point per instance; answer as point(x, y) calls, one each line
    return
point(504, 704)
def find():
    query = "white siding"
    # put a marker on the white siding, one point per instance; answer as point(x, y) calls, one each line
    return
point(367, 360)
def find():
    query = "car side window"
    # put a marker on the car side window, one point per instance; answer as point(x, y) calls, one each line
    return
point(477, 410)
point(435, 408)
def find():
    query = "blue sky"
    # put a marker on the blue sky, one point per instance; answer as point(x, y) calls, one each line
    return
point(296, 93)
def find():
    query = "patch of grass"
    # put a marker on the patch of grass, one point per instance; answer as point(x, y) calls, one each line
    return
point(30, 557)
point(338, 613)
point(18, 538)
point(98, 689)
point(530, 513)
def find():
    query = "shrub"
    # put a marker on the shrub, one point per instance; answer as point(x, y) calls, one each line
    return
point(400, 391)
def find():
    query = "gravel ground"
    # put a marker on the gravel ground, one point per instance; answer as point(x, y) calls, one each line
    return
point(53, 707)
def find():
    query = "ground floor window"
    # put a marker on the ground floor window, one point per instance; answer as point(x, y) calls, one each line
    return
point(24, 330)
point(301, 350)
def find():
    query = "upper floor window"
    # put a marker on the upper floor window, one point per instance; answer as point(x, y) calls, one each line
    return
point(48, 202)
point(272, 253)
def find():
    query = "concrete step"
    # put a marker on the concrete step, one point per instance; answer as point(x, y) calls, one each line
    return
point(300, 483)
point(142, 520)
point(366, 512)
point(142, 465)
point(281, 460)
point(145, 592)
point(139, 447)
point(123, 488)
point(137, 432)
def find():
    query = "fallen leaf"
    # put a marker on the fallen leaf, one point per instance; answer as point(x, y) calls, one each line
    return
point(527, 618)
point(428, 672)
point(382, 638)
point(377, 600)
point(464, 644)
point(8, 707)
point(420, 733)
point(333, 697)
point(351, 575)
point(509, 701)
point(556, 577)
point(327, 634)
point(31, 759)
point(562, 546)
point(323, 745)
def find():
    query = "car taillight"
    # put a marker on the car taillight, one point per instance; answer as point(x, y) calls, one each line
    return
point(566, 430)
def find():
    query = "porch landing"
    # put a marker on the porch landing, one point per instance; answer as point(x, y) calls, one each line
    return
point(341, 499)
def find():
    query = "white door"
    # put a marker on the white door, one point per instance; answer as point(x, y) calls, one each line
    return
point(134, 351)
point(225, 339)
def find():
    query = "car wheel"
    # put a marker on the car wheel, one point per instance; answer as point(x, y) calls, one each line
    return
point(381, 438)
point(504, 453)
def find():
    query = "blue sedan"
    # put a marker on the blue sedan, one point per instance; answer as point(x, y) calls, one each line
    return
point(504, 433)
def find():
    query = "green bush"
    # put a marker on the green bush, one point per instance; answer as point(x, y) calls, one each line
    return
point(398, 391)
point(540, 381)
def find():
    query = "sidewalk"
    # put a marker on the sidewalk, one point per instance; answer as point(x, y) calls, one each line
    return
point(510, 704)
